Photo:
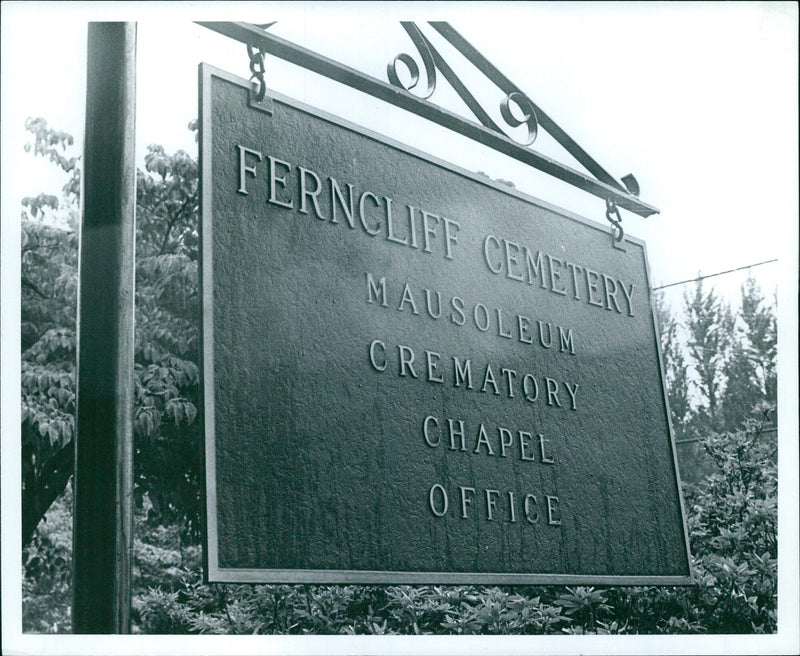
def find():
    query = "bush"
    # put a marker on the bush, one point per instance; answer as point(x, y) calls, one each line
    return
point(47, 572)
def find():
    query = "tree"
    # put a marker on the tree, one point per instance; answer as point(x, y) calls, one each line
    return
point(750, 371)
point(761, 332)
point(168, 456)
point(675, 367)
point(710, 324)
point(48, 311)
point(166, 432)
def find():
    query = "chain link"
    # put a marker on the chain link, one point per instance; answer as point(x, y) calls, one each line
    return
point(257, 71)
point(614, 218)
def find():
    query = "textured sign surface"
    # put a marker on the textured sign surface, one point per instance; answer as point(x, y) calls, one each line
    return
point(413, 374)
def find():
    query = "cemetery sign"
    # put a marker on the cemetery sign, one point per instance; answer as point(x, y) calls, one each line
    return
point(413, 374)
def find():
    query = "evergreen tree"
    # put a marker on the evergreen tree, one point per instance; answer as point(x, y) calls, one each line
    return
point(675, 367)
point(710, 324)
point(761, 332)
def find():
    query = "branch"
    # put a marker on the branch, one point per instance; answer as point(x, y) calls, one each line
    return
point(27, 283)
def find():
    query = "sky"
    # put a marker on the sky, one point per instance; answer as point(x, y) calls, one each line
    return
point(698, 101)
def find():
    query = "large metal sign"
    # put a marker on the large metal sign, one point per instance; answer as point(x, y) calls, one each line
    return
point(413, 374)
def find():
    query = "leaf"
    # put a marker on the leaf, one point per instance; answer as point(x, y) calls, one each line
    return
point(191, 412)
point(53, 434)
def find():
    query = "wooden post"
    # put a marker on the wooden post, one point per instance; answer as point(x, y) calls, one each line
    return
point(103, 485)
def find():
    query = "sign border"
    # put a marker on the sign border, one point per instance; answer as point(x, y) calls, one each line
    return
point(213, 573)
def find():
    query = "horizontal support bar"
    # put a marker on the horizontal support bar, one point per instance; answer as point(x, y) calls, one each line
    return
point(317, 63)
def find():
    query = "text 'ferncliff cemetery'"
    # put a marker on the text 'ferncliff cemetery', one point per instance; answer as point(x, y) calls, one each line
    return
point(413, 374)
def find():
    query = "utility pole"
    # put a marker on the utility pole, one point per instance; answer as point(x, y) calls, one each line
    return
point(103, 484)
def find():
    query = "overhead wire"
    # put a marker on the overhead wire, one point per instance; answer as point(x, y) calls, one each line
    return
point(712, 275)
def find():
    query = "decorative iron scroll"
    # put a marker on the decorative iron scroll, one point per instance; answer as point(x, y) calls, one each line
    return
point(599, 182)
point(433, 61)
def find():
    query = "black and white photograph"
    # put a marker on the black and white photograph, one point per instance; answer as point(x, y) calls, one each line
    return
point(399, 327)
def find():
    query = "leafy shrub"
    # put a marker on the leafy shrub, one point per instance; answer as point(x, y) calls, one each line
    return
point(47, 572)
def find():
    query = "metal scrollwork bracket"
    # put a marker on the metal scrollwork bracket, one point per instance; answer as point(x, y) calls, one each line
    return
point(433, 62)
point(517, 110)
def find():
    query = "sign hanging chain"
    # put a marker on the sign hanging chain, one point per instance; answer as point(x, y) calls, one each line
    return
point(257, 71)
point(613, 216)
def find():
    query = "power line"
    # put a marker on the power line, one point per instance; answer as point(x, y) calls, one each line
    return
point(687, 440)
point(711, 275)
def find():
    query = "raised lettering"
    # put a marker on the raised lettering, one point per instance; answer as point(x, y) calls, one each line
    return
point(390, 236)
point(574, 269)
point(432, 505)
point(591, 284)
point(572, 391)
point(490, 503)
point(407, 298)
point(552, 509)
point(528, 378)
point(506, 440)
point(512, 251)
point(486, 253)
point(509, 374)
point(524, 329)
point(524, 445)
point(610, 287)
point(362, 218)
point(457, 304)
point(485, 314)
point(377, 343)
point(534, 267)
point(545, 459)
point(244, 169)
point(552, 392)
point(531, 515)
point(512, 513)
point(566, 340)
point(483, 439)
point(428, 229)
point(462, 373)
point(433, 362)
point(336, 194)
point(450, 238)
point(374, 291)
point(438, 304)
point(435, 422)
point(465, 500)
point(628, 296)
point(500, 325)
point(555, 276)
point(549, 335)
point(275, 179)
point(406, 360)
point(305, 193)
point(488, 377)
point(453, 433)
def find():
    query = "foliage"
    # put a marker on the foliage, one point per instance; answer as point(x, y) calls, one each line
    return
point(46, 572)
point(709, 323)
point(167, 439)
point(168, 456)
point(48, 300)
point(675, 367)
